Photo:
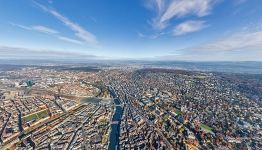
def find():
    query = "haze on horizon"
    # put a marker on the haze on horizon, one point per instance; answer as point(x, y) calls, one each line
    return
point(196, 30)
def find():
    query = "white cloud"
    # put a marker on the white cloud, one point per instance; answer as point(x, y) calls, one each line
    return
point(240, 46)
point(80, 32)
point(140, 35)
point(169, 9)
point(23, 52)
point(160, 4)
point(44, 29)
point(237, 41)
point(69, 40)
point(47, 30)
point(189, 26)
point(38, 28)
point(21, 26)
point(151, 36)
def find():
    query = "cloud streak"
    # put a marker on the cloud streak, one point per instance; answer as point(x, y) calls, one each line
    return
point(79, 31)
point(47, 30)
point(21, 52)
point(189, 26)
point(240, 46)
point(243, 40)
point(44, 29)
point(66, 39)
point(169, 9)
point(38, 28)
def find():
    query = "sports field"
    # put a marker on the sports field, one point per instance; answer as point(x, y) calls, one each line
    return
point(205, 127)
point(36, 116)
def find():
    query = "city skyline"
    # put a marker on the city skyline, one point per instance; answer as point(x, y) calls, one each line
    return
point(199, 30)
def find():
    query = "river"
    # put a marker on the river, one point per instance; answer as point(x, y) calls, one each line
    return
point(116, 120)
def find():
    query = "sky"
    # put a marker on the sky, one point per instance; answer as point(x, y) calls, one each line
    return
point(184, 30)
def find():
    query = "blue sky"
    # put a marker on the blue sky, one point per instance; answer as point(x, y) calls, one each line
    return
point(132, 29)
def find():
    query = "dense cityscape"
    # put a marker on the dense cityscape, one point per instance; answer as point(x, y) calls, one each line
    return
point(131, 75)
point(128, 107)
